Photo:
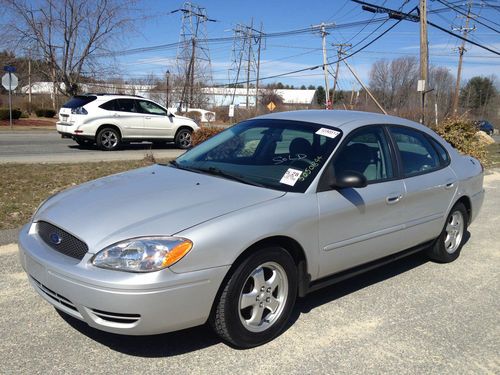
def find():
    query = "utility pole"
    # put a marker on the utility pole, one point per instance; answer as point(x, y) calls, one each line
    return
point(29, 83)
point(167, 102)
point(340, 52)
point(461, 51)
point(424, 55)
point(324, 33)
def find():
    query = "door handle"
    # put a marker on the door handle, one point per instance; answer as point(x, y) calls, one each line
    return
point(393, 199)
point(449, 185)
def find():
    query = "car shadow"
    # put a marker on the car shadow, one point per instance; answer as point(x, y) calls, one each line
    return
point(152, 346)
point(146, 146)
point(192, 339)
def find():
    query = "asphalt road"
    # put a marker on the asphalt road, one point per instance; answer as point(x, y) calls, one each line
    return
point(48, 147)
point(410, 317)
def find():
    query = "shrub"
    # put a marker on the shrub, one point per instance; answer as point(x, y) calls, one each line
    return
point(460, 132)
point(45, 112)
point(4, 114)
point(222, 114)
point(202, 134)
point(193, 115)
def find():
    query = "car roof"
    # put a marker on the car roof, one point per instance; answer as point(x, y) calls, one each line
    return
point(113, 96)
point(345, 120)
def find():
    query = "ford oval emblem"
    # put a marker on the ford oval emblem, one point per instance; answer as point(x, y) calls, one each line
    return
point(55, 238)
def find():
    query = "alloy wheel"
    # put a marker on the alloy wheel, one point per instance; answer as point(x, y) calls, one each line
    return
point(263, 297)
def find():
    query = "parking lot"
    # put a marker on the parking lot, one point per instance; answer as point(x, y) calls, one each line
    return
point(410, 317)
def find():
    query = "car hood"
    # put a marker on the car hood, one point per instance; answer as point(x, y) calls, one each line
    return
point(156, 200)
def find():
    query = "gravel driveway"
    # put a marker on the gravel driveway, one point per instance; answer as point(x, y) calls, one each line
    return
point(410, 317)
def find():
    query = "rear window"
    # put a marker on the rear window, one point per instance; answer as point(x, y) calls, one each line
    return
point(79, 101)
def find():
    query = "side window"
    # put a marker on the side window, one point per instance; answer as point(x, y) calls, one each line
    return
point(126, 105)
point(366, 152)
point(150, 108)
point(445, 158)
point(417, 154)
point(110, 106)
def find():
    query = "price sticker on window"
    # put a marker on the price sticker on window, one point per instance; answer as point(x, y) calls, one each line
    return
point(330, 133)
point(291, 176)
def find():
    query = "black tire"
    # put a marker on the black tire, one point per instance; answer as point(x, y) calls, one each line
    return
point(183, 138)
point(108, 139)
point(233, 323)
point(448, 245)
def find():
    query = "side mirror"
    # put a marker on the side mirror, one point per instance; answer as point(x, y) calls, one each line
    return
point(349, 179)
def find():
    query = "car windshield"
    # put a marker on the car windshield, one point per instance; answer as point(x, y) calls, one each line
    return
point(276, 154)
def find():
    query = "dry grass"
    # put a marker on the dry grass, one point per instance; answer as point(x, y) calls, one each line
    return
point(494, 154)
point(24, 186)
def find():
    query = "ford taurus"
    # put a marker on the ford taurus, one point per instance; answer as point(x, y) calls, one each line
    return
point(237, 228)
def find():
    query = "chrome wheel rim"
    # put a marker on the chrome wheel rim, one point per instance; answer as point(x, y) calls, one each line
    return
point(185, 138)
point(454, 232)
point(109, 139)
point(263, 297)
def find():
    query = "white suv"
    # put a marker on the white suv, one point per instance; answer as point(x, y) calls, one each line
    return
point(111, 120)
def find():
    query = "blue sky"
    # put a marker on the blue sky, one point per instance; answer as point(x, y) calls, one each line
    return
point(296, 52)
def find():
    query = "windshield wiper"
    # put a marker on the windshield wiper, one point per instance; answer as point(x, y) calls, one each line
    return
point(219, 172)
point(179, 166)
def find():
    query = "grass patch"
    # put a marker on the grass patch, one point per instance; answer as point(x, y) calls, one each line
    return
point(24, 186)
point(493, 151)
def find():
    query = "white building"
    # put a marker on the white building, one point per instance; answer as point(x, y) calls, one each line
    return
point(217, 96)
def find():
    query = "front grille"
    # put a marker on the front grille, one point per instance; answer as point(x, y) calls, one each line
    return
point(62, 241)
point(56, 297)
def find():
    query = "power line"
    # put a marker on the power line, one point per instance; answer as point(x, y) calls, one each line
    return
point(331, 62)
point(456, 9)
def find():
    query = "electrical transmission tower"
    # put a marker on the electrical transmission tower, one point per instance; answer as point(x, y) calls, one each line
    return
point(247, 46)
point(193, 57)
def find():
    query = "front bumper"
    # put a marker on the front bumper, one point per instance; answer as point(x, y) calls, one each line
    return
point(114, 301)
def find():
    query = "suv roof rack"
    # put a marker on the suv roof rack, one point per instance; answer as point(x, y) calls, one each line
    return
point(111, 94)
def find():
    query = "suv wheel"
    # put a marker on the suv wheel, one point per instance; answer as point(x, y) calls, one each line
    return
point(183, 138)
point(108, 139)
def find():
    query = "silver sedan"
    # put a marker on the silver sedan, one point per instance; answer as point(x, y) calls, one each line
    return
point(237, 228)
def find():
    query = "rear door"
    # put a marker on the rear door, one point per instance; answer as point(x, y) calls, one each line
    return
point(157, 123)
point(124, 114)
point(358, 225)
point(430, 183)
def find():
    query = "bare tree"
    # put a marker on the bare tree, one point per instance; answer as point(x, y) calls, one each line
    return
point(380, 82)
point(70, 35)
point(442, 81)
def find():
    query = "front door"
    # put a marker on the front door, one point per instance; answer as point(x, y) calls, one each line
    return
point(157, 123)
point(358, 225)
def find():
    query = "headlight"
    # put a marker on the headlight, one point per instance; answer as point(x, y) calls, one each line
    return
point(144, 254)
point(79, 111)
